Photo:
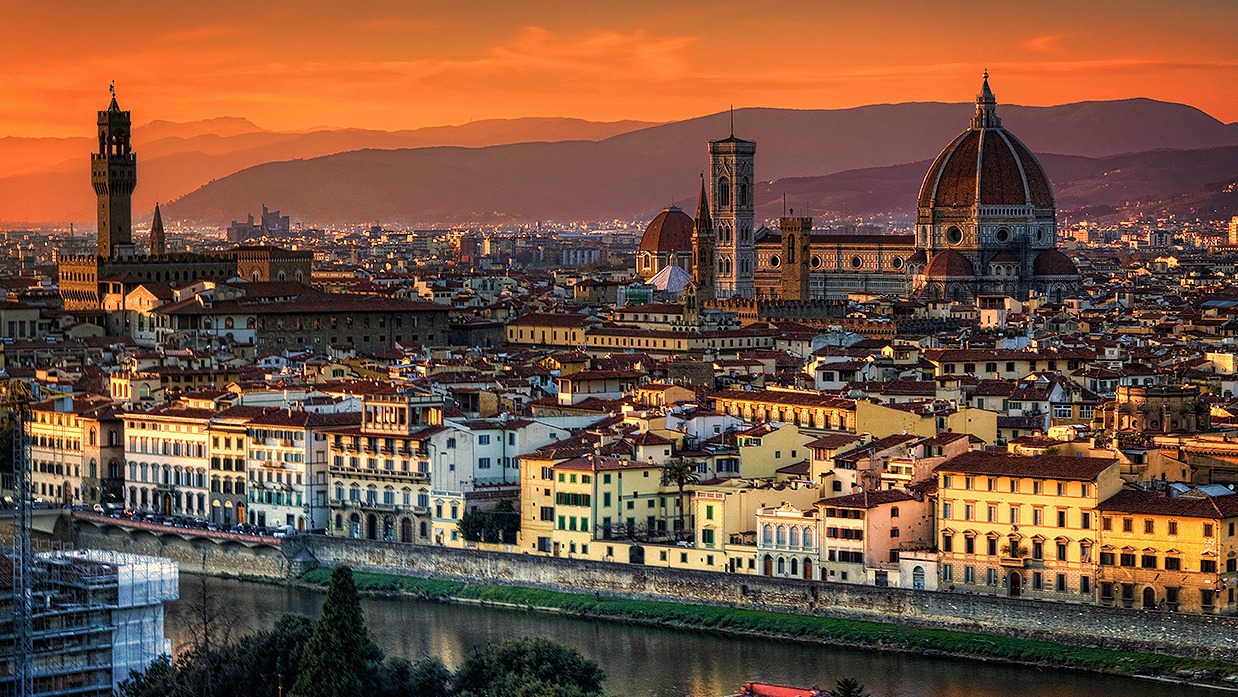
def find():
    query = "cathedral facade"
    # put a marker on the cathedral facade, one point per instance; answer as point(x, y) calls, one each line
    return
point(986, 224)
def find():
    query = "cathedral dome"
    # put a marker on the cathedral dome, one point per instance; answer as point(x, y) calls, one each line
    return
point(949, 264)
point(1054, 263)
point(671, 231)
point(985, 165)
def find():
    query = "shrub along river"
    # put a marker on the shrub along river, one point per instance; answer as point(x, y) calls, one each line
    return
point(654, 661)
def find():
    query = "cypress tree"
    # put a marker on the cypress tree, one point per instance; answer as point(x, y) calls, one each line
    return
point(339, 660)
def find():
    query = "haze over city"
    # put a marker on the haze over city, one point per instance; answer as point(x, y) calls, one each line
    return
point(680, 349)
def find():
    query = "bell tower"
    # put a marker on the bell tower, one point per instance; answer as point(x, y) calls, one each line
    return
point(113, 173)
point(731, 163)
point(796, 250)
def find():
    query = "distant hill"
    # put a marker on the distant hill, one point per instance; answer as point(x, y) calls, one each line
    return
point(636, 173)
point(1194, 183)
point(48, 179)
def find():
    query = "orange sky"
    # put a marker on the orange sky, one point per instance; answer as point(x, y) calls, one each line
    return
point(405, 64)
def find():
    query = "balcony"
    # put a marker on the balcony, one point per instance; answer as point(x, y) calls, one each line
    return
point(1013, 562)
point(367, 473)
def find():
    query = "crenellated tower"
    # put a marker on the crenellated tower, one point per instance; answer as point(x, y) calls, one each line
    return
point(114, 175)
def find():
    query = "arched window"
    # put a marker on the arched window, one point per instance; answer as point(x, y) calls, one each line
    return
point(795, 539)
point(767, 534)
point(782, 565)
point(795, 566)
point(724, 191)
point(93, 435)
point(781, 536)
point(917, 578)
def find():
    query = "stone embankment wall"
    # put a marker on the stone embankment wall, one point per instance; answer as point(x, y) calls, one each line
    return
point(193, 553)
point(1198, 636)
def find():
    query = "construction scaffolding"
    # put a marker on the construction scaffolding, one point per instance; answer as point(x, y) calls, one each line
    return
point(95, 616)
point(20, 558)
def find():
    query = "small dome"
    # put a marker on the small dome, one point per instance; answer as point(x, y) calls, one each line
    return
point(949, 264)
point(986, 165)
point(671, 231)
point(671, 279)
point(1054, 263)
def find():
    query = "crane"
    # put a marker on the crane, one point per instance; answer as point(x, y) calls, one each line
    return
point(15, 403)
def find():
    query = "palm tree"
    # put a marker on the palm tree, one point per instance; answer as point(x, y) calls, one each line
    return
point(681, 472)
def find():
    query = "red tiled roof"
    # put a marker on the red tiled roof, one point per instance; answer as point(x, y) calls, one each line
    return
point(1143, 502)
point(1046, 466)
point(867, 499)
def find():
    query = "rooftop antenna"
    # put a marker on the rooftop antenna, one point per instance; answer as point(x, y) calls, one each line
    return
point(732, 120)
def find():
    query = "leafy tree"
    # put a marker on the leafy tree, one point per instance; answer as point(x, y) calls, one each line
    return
point(397, 677)
point(848, 687)
point(266, 660)
point(253, 667)
point(339, 660)
point(158, 680)
point(498, 525)
point(680, 472)
point(530, 667)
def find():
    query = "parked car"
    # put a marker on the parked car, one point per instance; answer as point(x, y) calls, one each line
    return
point(284, 531)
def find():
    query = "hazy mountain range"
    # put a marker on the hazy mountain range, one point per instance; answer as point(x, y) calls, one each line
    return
point(48, 179)
point(857, 162)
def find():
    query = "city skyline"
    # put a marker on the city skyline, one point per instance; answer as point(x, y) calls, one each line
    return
point(295, 67)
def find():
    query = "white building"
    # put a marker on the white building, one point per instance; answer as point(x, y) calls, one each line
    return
point(286, 460)
point(167, 452)
point(474, 464)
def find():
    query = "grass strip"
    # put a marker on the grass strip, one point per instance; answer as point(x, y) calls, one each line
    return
point(836, 631)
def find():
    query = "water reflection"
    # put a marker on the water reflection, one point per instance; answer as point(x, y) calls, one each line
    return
point(662, 662)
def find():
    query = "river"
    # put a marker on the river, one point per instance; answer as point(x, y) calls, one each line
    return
point(658, 662)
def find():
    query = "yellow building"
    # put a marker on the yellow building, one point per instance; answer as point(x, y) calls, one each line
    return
point(726, 518)
point(76, 451)
point(546, 330)
point(606, 508)
point(811, 411)
point(924, 419)
point(765, 449)
point(1169, 552)
point(1022, 526)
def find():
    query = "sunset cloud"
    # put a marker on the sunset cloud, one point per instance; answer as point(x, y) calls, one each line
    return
point(291, 66)
point(1046, 43)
